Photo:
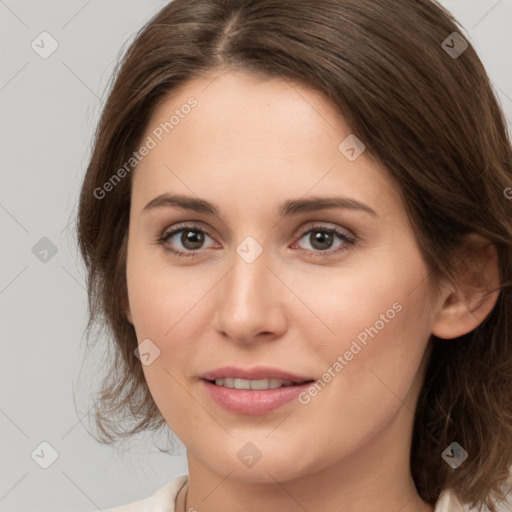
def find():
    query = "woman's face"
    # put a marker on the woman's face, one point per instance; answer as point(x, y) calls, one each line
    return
point(337, 295)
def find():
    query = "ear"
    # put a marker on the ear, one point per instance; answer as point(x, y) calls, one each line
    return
point(464, 306)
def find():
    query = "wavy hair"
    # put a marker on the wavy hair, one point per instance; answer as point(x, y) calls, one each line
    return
point(430, 117)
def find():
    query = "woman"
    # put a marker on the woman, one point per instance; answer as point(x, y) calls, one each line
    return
point(296, 225)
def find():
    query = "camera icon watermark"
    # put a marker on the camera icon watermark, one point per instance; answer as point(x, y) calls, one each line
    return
point(44, 45)
point(454, 45)
point(249, 249)
point(44, 455)
point(249, 454)
point(147, 352)
point(44, 250)
point(454, 455)
point(352, 147)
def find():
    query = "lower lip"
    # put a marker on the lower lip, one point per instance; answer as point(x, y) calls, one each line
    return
point(253, 402)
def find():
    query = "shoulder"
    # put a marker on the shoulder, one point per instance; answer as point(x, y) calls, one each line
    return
point(161, 501)
point(164, 498)
point(448, 502)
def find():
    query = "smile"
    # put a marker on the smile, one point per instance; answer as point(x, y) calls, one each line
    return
point(259, 384)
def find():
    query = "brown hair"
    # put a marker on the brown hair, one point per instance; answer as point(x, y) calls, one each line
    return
point(430, 117)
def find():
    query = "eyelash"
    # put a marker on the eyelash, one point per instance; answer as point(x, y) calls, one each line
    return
point(349, 240)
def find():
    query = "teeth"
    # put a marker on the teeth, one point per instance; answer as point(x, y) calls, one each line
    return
point(252, 384)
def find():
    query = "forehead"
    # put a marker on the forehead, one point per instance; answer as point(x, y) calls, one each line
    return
point(234, 130)
point(251, 101)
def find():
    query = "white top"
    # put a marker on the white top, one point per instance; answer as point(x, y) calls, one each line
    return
point(163, 500)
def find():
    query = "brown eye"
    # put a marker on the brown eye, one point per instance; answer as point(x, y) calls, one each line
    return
point(187, 239)
point(321, 240)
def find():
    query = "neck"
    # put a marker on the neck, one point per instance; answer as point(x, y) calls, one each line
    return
point(288, 495)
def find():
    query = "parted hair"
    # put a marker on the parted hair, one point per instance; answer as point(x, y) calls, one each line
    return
point(428, 115)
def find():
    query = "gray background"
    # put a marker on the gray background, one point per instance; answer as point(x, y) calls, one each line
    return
point(49, 109)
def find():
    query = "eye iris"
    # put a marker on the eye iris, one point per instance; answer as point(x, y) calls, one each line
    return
point(196, 238)
point(321, 236)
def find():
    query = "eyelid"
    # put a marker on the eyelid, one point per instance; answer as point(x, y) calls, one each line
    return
point(319, 224)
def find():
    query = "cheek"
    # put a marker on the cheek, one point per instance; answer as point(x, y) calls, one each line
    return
point(160, 294)
point(169, 307)
point(363, 301)
point(166, 309)
point(374, 324)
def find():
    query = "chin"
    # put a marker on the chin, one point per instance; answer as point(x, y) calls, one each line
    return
point(263, 467)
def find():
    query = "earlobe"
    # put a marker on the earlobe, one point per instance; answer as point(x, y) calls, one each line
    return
point(464, 307)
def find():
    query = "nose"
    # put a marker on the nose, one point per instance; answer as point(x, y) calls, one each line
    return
point(251, 301)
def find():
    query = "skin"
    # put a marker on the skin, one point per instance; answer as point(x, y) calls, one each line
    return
point(250, 144)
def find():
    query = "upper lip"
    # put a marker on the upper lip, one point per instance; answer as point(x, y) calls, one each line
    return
point(255, 373)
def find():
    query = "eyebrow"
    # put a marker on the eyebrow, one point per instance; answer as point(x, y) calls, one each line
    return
point(286, 209)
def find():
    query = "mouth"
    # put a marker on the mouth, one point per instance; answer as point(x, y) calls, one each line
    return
point(256, 384)
point(253, 397)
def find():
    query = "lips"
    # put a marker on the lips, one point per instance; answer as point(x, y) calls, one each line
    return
point(255, 373)
point(253, 402)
